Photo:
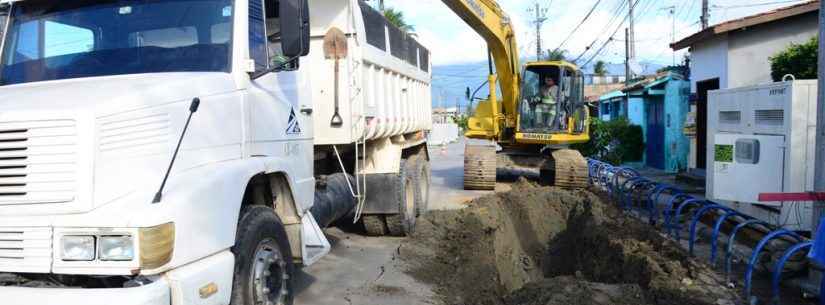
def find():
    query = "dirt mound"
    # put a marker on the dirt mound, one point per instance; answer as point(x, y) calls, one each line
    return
point(545, 246)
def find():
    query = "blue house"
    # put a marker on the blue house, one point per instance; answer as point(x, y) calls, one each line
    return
point(660, 105)
point(613, 105)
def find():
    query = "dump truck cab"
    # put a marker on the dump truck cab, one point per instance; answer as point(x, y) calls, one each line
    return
point(155, 152)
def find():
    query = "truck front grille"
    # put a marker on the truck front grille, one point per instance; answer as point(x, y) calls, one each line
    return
point(38, 161)
point(25, 250)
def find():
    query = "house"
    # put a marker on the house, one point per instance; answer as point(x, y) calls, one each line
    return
point(445, 115)
point(613, 105)
point(735, 54)
point(660, 105)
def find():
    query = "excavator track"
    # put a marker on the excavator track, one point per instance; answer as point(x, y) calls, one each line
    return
point(566, 169)
point(480, 167)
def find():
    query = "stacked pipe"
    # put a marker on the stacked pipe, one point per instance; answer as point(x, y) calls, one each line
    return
point(675, 208)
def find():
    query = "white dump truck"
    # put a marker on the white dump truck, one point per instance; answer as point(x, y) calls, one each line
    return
point(190, 151)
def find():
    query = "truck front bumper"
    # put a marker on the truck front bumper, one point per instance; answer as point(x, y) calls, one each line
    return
point(156, 293)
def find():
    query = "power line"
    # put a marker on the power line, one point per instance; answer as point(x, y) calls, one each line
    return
point(578, 26)
point(619, 12)
point(609, 39)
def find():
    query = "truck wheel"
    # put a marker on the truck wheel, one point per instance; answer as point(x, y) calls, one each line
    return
point(403, 223)
point(421, 180)
point(375, 225)
point(263, 259)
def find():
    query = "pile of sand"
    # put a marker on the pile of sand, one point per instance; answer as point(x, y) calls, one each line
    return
point(543, 245)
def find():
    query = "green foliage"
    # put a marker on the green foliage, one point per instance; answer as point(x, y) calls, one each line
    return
point(616, 141)
point(600, 69)
point(462, 121)
point(396, 18)
point(556, 55)
point(800, 60)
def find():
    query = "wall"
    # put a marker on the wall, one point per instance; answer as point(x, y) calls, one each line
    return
point(709, 59)
point(636, 111)
point(750, 49)
point(677, 145)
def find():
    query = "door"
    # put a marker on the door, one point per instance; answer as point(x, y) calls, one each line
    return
point(702, 89)
point(278, 104)
point(655, 147)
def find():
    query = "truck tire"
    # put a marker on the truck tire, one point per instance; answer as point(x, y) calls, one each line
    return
point(375, 225)
point(403, 223)
point(421, 180)
point(263, 260)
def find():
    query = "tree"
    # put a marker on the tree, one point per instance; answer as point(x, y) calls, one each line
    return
point(799, 60)
point(600, 69)
point(556, 55)
point(396, 18)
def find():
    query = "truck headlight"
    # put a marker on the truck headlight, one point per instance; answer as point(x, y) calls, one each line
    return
point(77, 248)
point(116, 248)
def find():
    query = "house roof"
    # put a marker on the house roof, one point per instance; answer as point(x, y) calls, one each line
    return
point(745, 22)
point(611, 95)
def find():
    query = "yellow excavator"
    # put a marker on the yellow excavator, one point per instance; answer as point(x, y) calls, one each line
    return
point(538, 114)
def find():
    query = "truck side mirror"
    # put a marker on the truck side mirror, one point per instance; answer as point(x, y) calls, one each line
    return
point(294, 15)
point(467, 93)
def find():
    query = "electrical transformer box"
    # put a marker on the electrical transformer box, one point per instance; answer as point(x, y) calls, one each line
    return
point(761, 139)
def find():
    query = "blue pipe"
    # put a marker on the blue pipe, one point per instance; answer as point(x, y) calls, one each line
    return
point(674, 228)
point(777, 270)
point(620, 171)
point(641, 185)
point(696, 217)
point(669, 209)
point(716, 227)
point(627, 191)
point(625, 172)
point(653, 198)
point(732, 240)
point(755, 255)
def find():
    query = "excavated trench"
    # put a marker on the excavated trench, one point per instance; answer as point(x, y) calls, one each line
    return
point(542, 245)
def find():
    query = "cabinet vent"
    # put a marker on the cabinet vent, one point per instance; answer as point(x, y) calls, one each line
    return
point(774, 117)
point(730, 117)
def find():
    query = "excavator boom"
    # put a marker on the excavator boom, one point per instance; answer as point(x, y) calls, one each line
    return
point(491, 22)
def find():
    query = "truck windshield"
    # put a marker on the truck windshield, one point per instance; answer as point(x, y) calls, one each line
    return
point(56, 39)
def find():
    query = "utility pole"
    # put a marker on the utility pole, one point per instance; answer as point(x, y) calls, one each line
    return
point(819, 162)
point(541, 17)
point(626, 56)
point(705, 14)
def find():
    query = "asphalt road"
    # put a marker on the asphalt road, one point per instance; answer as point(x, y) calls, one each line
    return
point(364, 270)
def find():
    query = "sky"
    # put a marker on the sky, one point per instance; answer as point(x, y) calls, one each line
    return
point(452, 41)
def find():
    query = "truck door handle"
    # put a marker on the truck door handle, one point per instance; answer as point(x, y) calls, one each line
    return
point(306, 110)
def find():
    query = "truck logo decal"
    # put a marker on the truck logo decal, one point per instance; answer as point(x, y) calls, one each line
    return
point(292, 125)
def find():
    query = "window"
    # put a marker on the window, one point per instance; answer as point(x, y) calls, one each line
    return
point(257, 35)
point(50, 40)
point(62, 39)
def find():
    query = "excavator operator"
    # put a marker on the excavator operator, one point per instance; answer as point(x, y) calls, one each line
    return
point(546, 108)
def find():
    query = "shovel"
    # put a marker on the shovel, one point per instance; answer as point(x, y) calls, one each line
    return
point(335, 47)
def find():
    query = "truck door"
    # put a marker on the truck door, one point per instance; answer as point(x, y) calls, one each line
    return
point(278, 108)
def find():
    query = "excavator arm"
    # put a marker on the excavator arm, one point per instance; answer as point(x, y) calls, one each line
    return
point(488, 19)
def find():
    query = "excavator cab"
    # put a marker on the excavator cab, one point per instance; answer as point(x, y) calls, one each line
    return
point(551, 104)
